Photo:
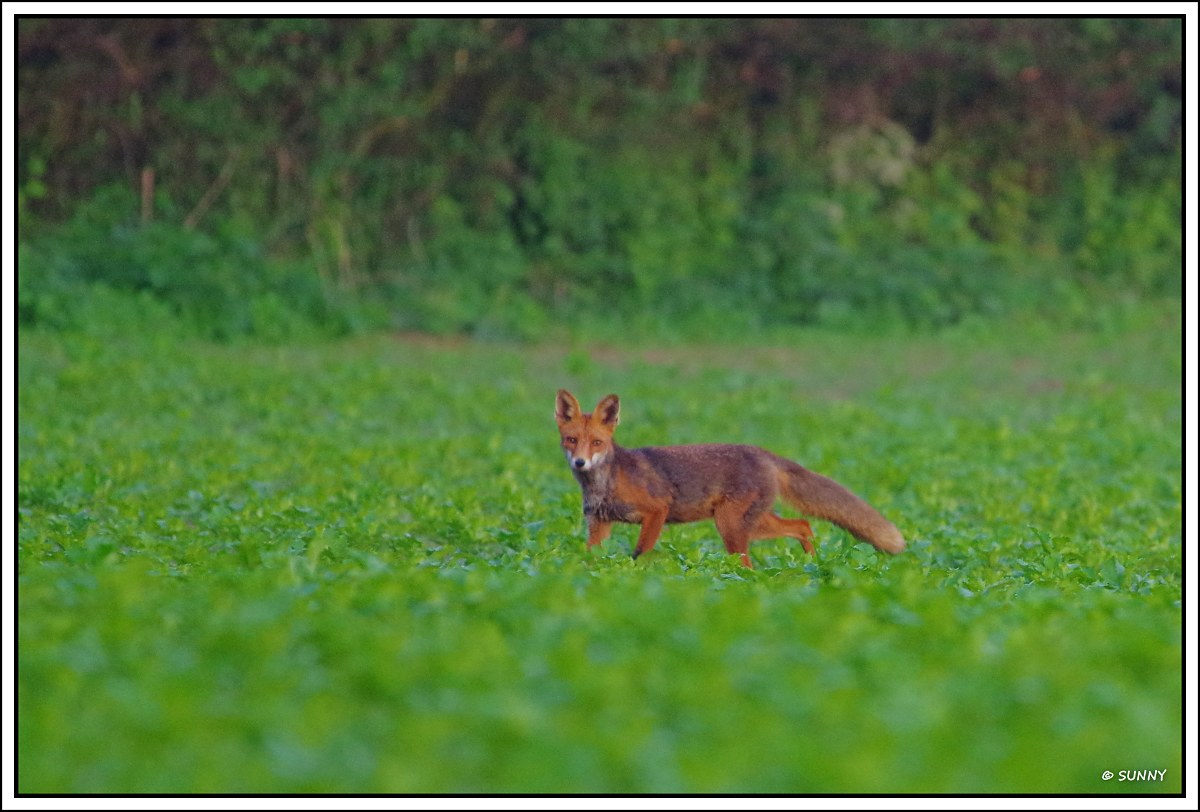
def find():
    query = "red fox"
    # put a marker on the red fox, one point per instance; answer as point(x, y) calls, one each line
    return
point(735, 485)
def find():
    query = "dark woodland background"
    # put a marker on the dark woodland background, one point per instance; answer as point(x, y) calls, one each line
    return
point(513, 177)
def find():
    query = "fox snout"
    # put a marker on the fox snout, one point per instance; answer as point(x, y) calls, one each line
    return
point(584, 463)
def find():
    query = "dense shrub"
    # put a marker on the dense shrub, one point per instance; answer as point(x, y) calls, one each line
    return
point(499, 176)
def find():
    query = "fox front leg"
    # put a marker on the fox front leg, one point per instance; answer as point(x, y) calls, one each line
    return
point(597, 531)
point(652, 525)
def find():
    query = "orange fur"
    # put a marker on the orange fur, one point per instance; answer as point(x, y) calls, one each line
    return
point(735, 485)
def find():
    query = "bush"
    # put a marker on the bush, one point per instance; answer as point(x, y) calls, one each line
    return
point(496, 177)
point(102, 266)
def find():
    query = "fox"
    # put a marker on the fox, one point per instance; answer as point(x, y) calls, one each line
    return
point(734, 485)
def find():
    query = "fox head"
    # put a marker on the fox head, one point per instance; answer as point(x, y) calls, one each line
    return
point(587, 439)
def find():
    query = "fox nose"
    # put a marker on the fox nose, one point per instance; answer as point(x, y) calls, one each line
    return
point(580, 462)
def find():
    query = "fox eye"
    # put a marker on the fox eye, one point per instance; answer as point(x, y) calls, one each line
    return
point(569, 440)
point(596, 443)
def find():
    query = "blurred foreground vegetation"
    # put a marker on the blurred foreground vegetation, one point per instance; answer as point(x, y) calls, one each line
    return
point(500, 177)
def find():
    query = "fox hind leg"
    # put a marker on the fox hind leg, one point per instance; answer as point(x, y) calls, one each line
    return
point(734, 522)
point(770, 526)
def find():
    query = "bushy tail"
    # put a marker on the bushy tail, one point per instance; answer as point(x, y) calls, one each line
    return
point(821, 497)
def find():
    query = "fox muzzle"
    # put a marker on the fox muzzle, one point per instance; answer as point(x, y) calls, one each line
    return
point(585, 463)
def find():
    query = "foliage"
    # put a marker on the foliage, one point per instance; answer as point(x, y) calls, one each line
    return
point(491, 176)
point(358, 566)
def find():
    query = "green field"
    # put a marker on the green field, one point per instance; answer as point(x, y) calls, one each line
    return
point(359, 566)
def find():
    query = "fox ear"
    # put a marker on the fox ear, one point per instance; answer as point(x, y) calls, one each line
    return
point(566, 407)
point(609, 411)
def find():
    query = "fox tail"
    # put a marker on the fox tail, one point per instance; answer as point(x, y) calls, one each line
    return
point(821, 497)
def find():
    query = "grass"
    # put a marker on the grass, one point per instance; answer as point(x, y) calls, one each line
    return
point(359, 567)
